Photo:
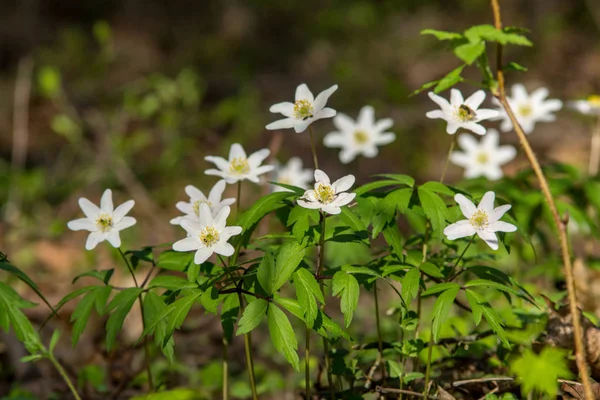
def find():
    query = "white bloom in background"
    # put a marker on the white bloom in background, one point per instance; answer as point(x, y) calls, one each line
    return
point(104, 222)
point(240, 167)
point(191, 209)
point(327, 196)
point(483, 158)
point(360, 137)
point(528, 109)
point(589, 106)
point(461, 113)
point(483, 220)
point(208, 235)
point(293, 174)
point(304, 110)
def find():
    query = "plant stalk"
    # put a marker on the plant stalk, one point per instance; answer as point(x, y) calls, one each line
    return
point(64, 375)
point(595, 150)
point(428, 369)
point(225, 368)
point(561, 224)
point(307, 363)
point(313, 148)
point(448, 158)
point(379, 341)
point(238, 200)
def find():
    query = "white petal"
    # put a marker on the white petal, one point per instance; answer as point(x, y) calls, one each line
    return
point(493, 172)
point(89, 209)
point(466, 206)
point(214, 197)
point(385, 138)
point(327, 112)
point(468, 143)
point(538, 95)
point(106, 203)
point(187, 244)
point(486, 113)
point(236, 151)
point(321, 177)
point(383, 124)
point(82, 224)
point(220, 162)
point(258, 157)
point(304, 93)
point(221, 218)
point(124, 223)
point(194, 193)
point(505, 154)
point(501, 226)
point(263, 169)
point(93, 239)
point(301, 126)
point(519, 93)
point(230, 231)
point(344, 123)
point(456, 98)
point(452, 127)
point(460, 159)
point(498, 212)
point(121, 211)
point(369, 150)
point(281, 124)
point(487, 202)
point(309, 204)
point(553, 105)
point(322, 98)
point(176, 221)
point(436, 114)
point(347, 155)
point(343, 199)
point(286, 108)
point(192, 227)
point(475, 100)
point(343, 184)
point(205, 214)
point(459, 230)
point(442, 102)
point(114, 239)
point(225, 175)
point(331, 209)
point(334, 139)
point(366, 117)
point(490, 238)
point(202, 255)
point(224, 249)
point(474, 127)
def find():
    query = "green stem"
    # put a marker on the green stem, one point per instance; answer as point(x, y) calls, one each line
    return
point(428, 369)
point(313, 148)
point(379, 341)
point(64, 375)
point(225, 368)
point(238, 200)
point(451, 277)
point(307, 363)
point(447, 159)
point(146, 345)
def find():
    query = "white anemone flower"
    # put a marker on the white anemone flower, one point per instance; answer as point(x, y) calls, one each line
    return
point(589, 106)
point(293, 174)
point(483, 158)
point(528, 108)
point(360, 137)
point(483, 220)
point(104, 222)
point(461, 113)
point(208, 235)
point(305, 110)
point(326, 196)
point(191, 209)
point(239, 167)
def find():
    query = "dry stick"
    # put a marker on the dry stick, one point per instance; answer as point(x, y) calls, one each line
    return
point(595, 150)
point(380, 389)
point(560, 224)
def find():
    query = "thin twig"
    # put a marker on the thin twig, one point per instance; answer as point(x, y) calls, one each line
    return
point(561, 225)
point(594, 163)
point(380, 389)
point(481, 380)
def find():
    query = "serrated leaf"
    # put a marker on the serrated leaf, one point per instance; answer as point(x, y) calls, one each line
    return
point(410, 284)
point(441, 310)
point(434, 208)
point(431, 270)
point(400, 198)
point(475, 302)
point(54, 341)
point(289, 257)
point(307, 293)
point(403, 179)
point(395, 369)
point(495, 285)
point(442, 35)
point(23, 276)
point(295, 189)
point(451, 79)
point(153, 307)
point(440, 287)
point(469, 52)
point(174, 260)
point(266, 273)
point(391, 234)
point(103, 275)
point(171, 282)
point(120, 305)
point(540, 372)
point(252, 315)
point(438, 187)
point(368, 187)
point(283, 335)
point(262, 207)
point(350, 218)
point(513, 66)
point(346, 287)
point(81, 314)
point(492, 318)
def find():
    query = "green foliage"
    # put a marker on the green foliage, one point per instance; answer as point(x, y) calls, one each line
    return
point(346, 287)
point(539, 372)
point(120, 306)
point(282, 335)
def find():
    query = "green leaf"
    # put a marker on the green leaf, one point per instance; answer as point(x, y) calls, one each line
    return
point(252, 315)
point(492, 318)
point(403, 179)
point(470, 52)
point(513, 66)
point(475, 302)
point(438, 187)
point(400, 199)
point(153, 307)
point(171, 282)
point(297, 190)
point(349, 217)
point(490, 34)
point(440, 287)
point(392, 236)
point(395, 369)
point(23, 276)
point(431, 270)
point(103, 275)
point(121, 305)
point(266, 273)
point(451, 79)
point(174, 260)
point(49, 81)
point(346, 287)
point(435, 209)
point(495, 285)
point(410, 285)
point(289, 257)
point(424, 87)
point(282, 335)
point(11, 315)
point(442, 35)
point(368, 187)
point(262, 207)
point(82, 313)
point(300, 219)
point(54, 341)
point(441, 310)
point(174, 314)
point(540, 373)
point(307, 293)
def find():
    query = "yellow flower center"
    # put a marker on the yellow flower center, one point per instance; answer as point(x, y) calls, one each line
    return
point(594, 100)
point(466, 113)
point(525, 110)
point(303, 109)
point(104, 222)
point(361, 137)
point(196, 206)
point(483, 158)
point(209, 236)
point(324, 194)
point(479, 220)
point(239, 165)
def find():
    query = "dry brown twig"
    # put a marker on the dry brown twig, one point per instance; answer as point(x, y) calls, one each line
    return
point(561, 224)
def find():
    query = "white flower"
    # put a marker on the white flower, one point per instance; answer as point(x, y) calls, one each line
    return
point(482, 158)
point(208, 235)
point(304, 111)
point(589, 106)
point(483, 220)
point(360, 137)
point(191, 209)
point(326, 196)
point(461, 113)
point(528, 109)
point(240, 167)
point(105, 222)
point(292, 174)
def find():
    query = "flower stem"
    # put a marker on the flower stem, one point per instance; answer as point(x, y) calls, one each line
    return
point(595, 150)
point(238, 200)
point(379, 341)
point(452, 276)
point(428, 369)
point(307, 363)
point(225, 364)
point(141, 301)
point(448, 158)
point(64, 375)
point(561, 224)
point(312, 146)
